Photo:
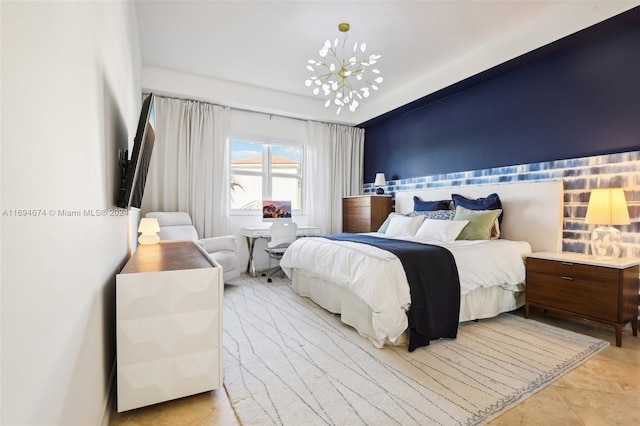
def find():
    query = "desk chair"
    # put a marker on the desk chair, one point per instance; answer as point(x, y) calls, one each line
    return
point(281, 235)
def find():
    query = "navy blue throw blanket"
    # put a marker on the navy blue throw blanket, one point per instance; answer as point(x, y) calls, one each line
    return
point(434, 283)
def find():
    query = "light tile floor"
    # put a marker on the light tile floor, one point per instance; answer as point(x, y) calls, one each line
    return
point(605, 390)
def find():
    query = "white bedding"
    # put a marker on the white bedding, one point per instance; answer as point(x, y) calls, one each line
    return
point(377, 277)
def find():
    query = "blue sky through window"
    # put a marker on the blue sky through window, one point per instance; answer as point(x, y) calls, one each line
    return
point(241, 149)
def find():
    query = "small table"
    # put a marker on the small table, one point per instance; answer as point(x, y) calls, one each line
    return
point(252, 233)
point(575, 284)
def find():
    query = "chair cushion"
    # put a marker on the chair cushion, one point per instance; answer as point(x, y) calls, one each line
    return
point(225, 242)
point(175, 225)
point(227, 259)
point(182, 232)
point(171, 218)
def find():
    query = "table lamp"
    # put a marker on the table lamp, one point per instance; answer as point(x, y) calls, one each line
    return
point(148, 228)
point(607, 207)
point(380, 182)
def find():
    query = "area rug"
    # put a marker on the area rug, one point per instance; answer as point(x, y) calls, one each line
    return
point(289, 362)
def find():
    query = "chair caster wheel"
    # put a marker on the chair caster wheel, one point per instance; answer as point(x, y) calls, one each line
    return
point(269, 280)
point(264, 275)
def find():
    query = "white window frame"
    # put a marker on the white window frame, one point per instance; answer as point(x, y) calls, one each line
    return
point(267, 174)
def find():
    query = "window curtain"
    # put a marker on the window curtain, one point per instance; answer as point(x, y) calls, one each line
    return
point(335, 161)
point(189, 165)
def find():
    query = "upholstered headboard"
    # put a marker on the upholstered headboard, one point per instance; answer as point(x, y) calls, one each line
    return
point(532, 210)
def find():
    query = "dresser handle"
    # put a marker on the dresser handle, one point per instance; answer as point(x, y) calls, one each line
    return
point(567, 263)
point(567, 278)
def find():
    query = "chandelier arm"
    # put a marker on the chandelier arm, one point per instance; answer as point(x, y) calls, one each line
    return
point(333, 52)
point(326, 75)
point(345, 83)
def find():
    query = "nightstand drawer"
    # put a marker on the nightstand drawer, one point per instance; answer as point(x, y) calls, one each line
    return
point(574, 270)
point(592, 299)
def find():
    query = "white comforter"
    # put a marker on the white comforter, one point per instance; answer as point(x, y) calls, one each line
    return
point(377, 276)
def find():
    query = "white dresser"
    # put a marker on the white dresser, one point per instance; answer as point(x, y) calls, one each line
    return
point(168, 324)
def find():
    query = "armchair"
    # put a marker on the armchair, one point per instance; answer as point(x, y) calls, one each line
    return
point(224, 250)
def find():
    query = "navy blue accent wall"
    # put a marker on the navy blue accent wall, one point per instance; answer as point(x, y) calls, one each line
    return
point(577, 102)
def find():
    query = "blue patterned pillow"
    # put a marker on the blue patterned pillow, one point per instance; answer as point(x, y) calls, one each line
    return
point(421, 205)
point(435, 214)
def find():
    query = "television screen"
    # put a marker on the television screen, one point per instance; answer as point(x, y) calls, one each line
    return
point(276, 210)
point(135, 177)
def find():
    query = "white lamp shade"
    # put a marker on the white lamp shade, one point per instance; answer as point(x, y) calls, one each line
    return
point(148, 228)
point(607, 207)
point(149, 225)
point(380, 180)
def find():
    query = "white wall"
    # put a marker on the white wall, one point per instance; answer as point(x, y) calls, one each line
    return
point(71, 97)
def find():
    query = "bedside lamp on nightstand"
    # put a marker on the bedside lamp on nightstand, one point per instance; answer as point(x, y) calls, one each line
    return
point(380, 182)
point(607, 207)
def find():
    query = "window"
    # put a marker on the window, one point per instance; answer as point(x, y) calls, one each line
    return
point(265, 171)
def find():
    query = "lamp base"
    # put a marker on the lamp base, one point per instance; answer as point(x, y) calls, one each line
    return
point(148, 238)
point(606, 242)
point(379, 191)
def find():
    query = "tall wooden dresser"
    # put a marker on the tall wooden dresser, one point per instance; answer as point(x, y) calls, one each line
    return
point(365, 213)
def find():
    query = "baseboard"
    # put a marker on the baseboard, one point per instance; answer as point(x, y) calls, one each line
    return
point(109, 397)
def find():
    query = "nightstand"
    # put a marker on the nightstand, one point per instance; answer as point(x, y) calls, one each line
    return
point(575, 284)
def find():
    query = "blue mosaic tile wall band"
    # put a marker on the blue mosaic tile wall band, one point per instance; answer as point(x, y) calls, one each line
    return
point(579, 175)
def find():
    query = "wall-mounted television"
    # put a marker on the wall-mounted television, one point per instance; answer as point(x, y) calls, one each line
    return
point(273, 211)
point(134, 170)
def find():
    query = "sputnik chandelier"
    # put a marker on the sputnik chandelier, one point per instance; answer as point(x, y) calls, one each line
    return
point(344, 81)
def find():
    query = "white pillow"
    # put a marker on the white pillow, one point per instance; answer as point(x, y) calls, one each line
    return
point(441, 230)
point(404, 226)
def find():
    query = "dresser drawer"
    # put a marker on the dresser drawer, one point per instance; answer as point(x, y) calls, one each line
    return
point(357, 225)
point(357, 212)
point(574, 270)
point(356, 202)
point(593, 299)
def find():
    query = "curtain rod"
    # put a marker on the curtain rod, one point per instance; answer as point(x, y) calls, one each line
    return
point(271, 115)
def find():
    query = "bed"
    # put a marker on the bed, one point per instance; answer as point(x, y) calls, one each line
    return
point(367, 285)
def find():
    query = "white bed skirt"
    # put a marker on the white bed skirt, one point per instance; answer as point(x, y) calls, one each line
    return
point(478, 304)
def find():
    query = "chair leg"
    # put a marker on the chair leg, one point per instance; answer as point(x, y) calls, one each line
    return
point(273, 271)
point(269, 272)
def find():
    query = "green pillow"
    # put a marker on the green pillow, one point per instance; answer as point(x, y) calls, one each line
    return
point(480, 223)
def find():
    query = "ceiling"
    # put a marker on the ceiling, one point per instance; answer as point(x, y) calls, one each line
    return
point(424, 45)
